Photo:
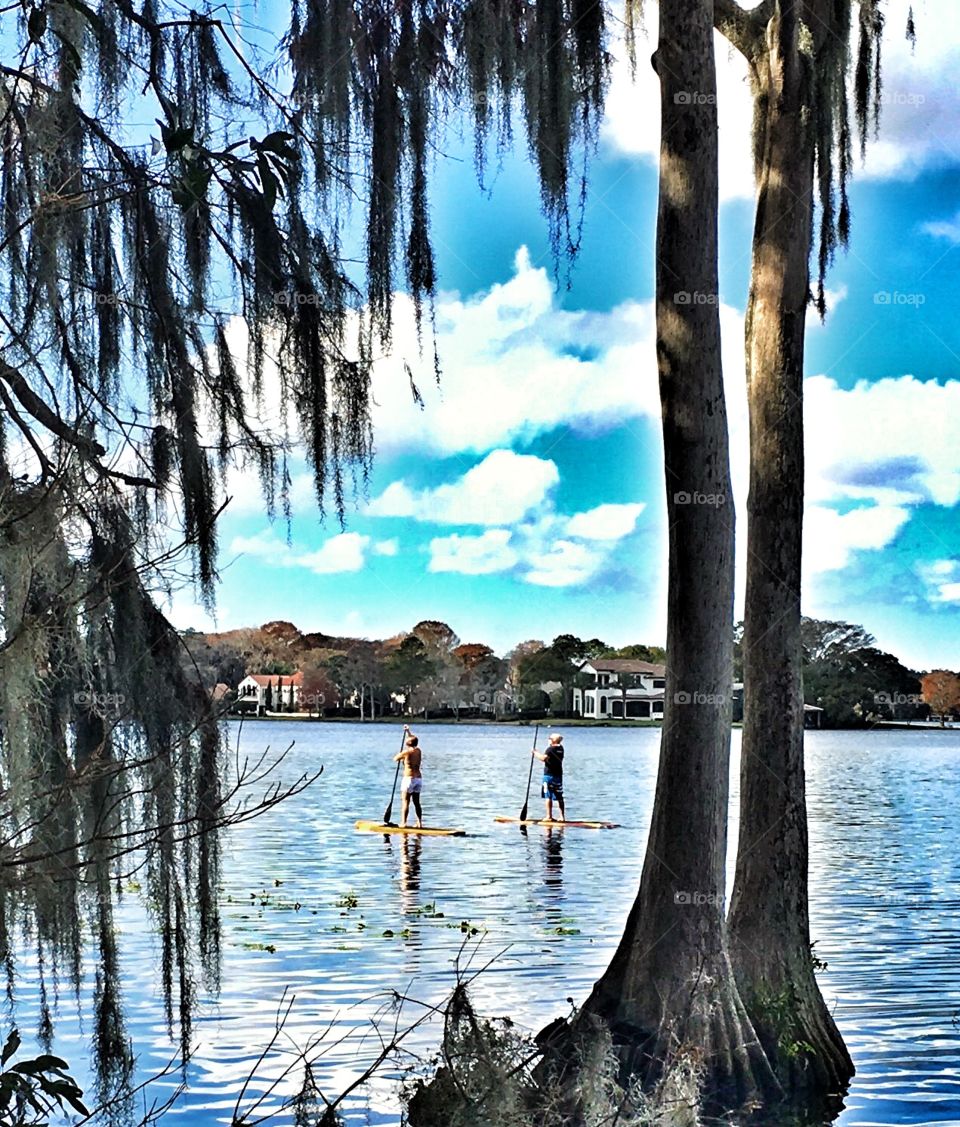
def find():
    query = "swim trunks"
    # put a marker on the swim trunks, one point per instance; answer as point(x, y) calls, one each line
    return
point(552, 788)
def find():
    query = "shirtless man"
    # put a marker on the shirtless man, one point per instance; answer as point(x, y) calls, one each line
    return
point(412, 783)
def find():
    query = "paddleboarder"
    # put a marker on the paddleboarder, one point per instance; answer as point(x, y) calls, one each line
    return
point(411, 785)
point(552, 788)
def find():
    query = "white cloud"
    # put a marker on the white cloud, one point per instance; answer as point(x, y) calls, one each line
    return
point(941, 579)
point(344, 552)
point(948, 229)
point(830, 537)
point(605, 522)
point(565, 564)
point(551, 551)
point(264, 545)
point(920, 117)
point(515, 366)
point(387, 547)
point(501, 489)
point(892, 441)
point(341, 553)
point(473, 555)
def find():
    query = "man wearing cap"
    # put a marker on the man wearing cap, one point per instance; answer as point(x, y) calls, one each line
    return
point(552, 788)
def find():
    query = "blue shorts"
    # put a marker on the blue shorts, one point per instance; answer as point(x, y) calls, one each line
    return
point(552, 788)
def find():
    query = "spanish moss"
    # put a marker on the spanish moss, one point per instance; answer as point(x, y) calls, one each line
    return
point(162, 282)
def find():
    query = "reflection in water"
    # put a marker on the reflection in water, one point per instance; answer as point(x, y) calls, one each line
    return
point(410, 872)
point(553, 862)
point(885, 898)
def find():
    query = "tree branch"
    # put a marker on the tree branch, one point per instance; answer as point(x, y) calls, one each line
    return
point(741, 27)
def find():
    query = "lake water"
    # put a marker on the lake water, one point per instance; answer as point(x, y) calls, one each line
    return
point(307, 901)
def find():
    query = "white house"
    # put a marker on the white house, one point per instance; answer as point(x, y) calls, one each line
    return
point(284, 695)
point(618, 683)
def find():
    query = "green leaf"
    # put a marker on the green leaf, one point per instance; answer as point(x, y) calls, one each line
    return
point(13, 1043)
point(76, 1103)
point(45, 1062)
point(276, 142)
point(174, 139)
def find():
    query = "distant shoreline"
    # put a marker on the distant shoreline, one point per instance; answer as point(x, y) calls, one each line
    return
point(419, 721)
point(557, 722)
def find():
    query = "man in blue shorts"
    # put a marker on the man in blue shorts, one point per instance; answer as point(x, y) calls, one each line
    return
point(552, 788)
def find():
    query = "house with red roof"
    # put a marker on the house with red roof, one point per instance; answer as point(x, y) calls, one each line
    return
point(270, 692)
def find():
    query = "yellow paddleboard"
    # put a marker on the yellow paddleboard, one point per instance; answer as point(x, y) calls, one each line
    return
point(427, 831)
point(560, 825)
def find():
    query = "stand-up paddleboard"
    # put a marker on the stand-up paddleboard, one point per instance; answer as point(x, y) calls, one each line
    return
point(390, 828)
point(559, 825)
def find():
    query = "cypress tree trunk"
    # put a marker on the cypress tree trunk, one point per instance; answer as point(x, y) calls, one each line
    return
point(669, 993)
point(769, 921)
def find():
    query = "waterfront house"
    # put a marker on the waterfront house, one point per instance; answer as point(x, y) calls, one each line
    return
point(620, 688)
point(270, 692)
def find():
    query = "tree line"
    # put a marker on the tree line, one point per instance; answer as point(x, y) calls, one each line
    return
point(428, 670)
point(425, 670)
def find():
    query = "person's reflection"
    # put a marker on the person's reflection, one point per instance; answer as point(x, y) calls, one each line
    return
point(553, 862)
point(410, 869)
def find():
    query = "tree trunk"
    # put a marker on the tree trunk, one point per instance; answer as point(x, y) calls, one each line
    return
point(669, 996)
point(769, 921)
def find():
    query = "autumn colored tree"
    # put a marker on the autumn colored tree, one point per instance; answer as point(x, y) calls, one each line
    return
point(941, 691)
point(319, 691)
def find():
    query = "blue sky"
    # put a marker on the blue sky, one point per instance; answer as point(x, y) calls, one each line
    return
point(526, 498)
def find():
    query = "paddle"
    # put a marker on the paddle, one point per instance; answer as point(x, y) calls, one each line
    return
point(389, 809)
point(523, 812)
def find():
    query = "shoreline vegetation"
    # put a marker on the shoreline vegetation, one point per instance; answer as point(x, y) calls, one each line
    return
point(279, 670)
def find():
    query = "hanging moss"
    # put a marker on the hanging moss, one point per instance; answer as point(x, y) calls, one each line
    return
point(128, 259)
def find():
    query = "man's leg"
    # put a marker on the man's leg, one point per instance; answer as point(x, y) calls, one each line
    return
point(416, 806)
point(404, 806)
point(563, 813)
